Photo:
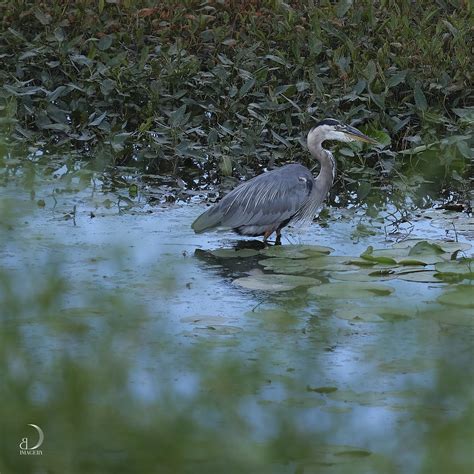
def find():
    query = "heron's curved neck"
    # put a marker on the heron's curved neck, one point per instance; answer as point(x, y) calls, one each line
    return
point(327, 173)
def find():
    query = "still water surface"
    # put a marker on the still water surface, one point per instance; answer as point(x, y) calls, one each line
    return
point(370, 390)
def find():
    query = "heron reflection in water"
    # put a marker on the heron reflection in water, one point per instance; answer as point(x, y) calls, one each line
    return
point(290, 194)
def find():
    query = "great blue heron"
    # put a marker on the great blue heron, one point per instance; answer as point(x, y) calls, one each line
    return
point(270, 201)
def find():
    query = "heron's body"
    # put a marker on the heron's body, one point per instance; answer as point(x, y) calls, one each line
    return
point(270, 201)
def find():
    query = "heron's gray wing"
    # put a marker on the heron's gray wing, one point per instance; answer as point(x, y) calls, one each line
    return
point(267, 199)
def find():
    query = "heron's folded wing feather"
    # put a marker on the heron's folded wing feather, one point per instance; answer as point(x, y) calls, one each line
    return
point(267, 199)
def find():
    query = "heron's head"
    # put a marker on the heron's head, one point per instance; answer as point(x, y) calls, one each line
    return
point(331, 129)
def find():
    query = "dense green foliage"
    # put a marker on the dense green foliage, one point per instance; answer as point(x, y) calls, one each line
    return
point(185, 84)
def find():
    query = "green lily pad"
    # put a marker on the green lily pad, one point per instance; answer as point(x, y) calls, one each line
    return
point(350, 290)
point(322, 263)
point(314, 250)
point(218, 330)
point(412, 262)
point(457, 316)
point(372, 314)
point(424, 259)
point(394, 253)
point(363, 274)
point(419, 276)
point(422, 253)
point(204, 320)
point(446, 246)
point(463, 266)
point(426, 253)
point(358, 315)
point(280, 282)
point(462, 295)
point(284, 265)
point(454, 277)
point(233, 253)
point(369, 255)
point(425, 248)
point(274, 319)
point(328, 263)
point(295, 251)
point(402, 257)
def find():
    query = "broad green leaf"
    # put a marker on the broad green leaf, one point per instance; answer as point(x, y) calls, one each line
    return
point(98, 120)
point(381, 137)
point(246, 87)
point(52, 96)
point(379, 100)
point(302, 86)
point(276, 59)
point(42, 17)
point(118, 141)
point(105, 42)
point(81, 60)
point(420, 99)
point(396, 79)
point(370, 71)
point(466, 114)
point(224, 60)
point(27, 55)
point(61, 127)
point(177, 117)
point(343, 6)
point(107, 86)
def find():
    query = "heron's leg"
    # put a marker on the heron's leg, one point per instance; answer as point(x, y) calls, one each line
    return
point(266, 235)
point(278, 238)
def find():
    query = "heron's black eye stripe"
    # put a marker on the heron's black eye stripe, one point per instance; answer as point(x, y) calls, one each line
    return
point(330, 122)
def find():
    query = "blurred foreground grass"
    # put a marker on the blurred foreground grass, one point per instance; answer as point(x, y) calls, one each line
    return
point(111, 399)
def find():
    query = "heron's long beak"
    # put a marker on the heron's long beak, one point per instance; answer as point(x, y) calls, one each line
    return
point(358, 135)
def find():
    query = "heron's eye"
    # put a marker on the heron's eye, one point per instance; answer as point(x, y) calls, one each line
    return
point(303, 179)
